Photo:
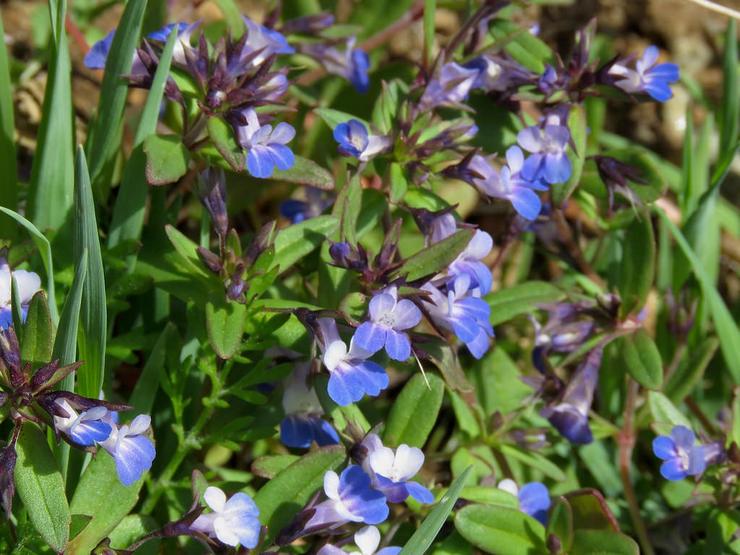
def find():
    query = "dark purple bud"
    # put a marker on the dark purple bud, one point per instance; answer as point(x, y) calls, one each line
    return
point(48, 376)
point(7, 468)
point(211, 260)
point(308, 24)
point(613, 172)
point(570, 415)
point(346, 256)
point(10, 353)
point(212, 190)
point(264, 239)
point(77, 402)
point(584, 39)
point(235, 290)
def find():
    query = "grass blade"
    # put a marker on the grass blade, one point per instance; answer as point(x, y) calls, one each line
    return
point(9, 190)
point(44, 247)
point(104, 138)
point(52, 175)
point(730, 109)
point(128, 213)
point(728, 333)
point(93, 315)
point(425, 534)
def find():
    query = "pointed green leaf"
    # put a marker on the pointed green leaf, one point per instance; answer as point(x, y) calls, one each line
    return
point(642, 359)
point(306, 172)
point(665, 414)
point(9, 190)
point(601, 542)
point(41, 488)
point(414, 414)
point(434, 259)
point(578, 130)
point(522, 298)
point(299, 240)
point(38, 332)
point(500, 530)
point(225, 324)
point(637, 270)
point(93, 311)
point(166, 159)
point(222, 137)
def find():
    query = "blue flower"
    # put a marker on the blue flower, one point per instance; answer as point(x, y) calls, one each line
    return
point(389, 320)
point(354, 140)
point(266, 148)
point(351, 375)
point(29, 283)
point(509, 183)
point(391, 471)
point(497, 73)
point(232, 522)
point(265, 41)
point(351, 498)
point(86, 428)
point(163, 34)
point(350, 62)
point(647, 77)
point(367, 539)
point(534, 499)
point(682, 457)
point(300, 210)
point(451, 87)
point(98, 53)
point(548, 161)
point(303, 424)
point(469, 263)
point(463, 312)
point(132, 451)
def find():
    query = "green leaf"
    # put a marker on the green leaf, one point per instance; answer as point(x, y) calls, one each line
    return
point(590, 511)
point(724, 323)
point(65, 342)
point(348, 203)
point(187, 252)
point(535, 460)
point(105, 134)
point(222, 137)
point(51, 189)
point(431, 260)
point(44, 248)
point(299, 240)
point(578, 131)
point(101, 496)
point(145, 390)
point(225, 324)
point(130, 529)
point(270, 466)
point(413, 415)
point(730, 109)
point(384, 111)
point(166, 159)
point(93, 311)
point(600, 542)
point(637, 270)
point(306, 172)
point(282, 497)
point(522, 45)
point(430, 10)
point(432, 524)
point(522, 298)
point(232, 17)
point(9, 190)
point(489, 495)
point(379, 14)
point(41, 488)
point(128, 212)
point(560, 522)
point(665, 414)
point(642, 359)
point(399, 183)
point(333, 117)
point(501, 530)
point(38, 332)
point(688, 375)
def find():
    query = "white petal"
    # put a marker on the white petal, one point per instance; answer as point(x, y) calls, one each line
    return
point(509, 486)
point(331, 485)
point(408, 461)
point(335, 354)
point(224, 532)
point(215, 498)
point(28, 284)
point(381, 461)
point(139, 425)
point(367, 539)
point(328, 329)
point(283, 133)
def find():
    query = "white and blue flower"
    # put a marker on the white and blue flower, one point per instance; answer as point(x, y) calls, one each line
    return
point(351, 374)
point(681, 455)
point(132, 451)
point(354, 140)
point(548, 161)
point(451, 87)
point(367, 540)
point(86, 428)
point(232, 522)
point(29, 283)
point(389, 320)
point(303, 425)
point(647, 77)
point(266, 147)
point(533, 498)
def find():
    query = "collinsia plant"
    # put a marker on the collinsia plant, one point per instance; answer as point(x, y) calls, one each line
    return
point(317, 288)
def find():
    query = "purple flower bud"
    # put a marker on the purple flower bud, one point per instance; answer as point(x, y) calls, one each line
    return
point(451, 87)
point(212, 190)
point(8, 459)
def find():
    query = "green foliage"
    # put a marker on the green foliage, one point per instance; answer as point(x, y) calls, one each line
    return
point(414, 414)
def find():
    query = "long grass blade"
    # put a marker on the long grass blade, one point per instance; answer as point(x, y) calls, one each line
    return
point(93, 313)
point(128, 213)
point(104, 138)
point(9, 190)
point(44, 248)
point(52, 174)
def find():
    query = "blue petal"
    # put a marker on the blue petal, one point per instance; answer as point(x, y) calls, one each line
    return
point(534, 499)
point(532, 167)
point(526, 203)
point(465, 328)
point(98, 54)
point(358, 71)
point(659, 91)
point(397, 345)
point(419, 492)
point(260, 162)
point(163, 33)
point(475, 308)
point(556, 168)
point(342, 388)
point(134, 457)
point(360, 498)
point(89, 432)
point(324, 433)
point(673, 470)
point(683, 437)
point(664, 448)
point(479, 345)
point(6, 318)
point(296, 432)
point(373, 376)
point(572, 425)
point(294, 210)
point(370, 337)
point(282, 156)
